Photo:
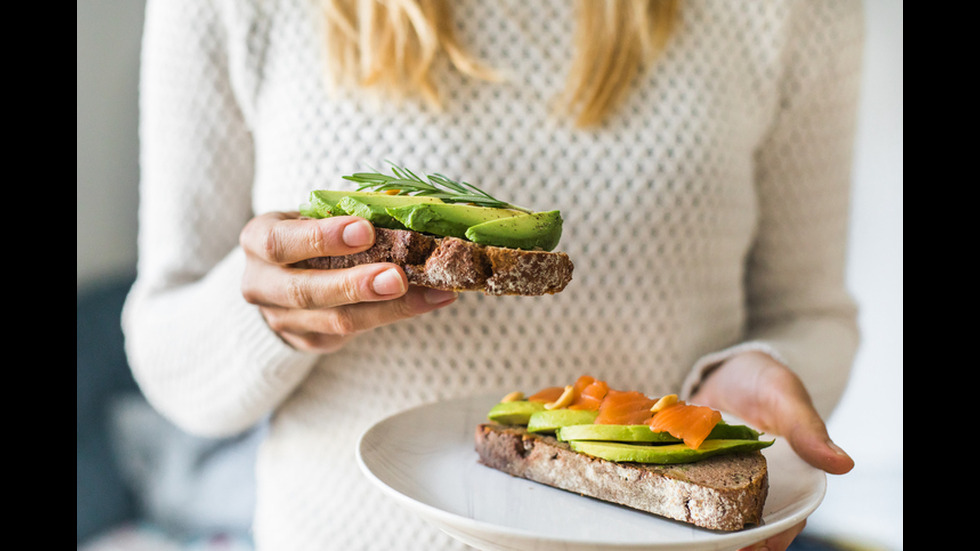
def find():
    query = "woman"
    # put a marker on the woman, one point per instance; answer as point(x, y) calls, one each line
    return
point(699, 152)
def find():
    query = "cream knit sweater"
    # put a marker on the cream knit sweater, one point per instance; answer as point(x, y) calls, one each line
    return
point(709, 214)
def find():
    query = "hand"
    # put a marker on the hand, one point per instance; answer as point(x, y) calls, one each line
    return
point(321, 310)
point(772, 398)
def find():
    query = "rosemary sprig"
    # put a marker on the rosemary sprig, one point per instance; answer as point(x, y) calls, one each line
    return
point(405, 182)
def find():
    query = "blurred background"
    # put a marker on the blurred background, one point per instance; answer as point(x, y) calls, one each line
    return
point(863, 509)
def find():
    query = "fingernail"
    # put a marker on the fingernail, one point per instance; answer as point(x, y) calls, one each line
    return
point(836, 449)
point(436, 296)
point(358, 234)
point(389, 282)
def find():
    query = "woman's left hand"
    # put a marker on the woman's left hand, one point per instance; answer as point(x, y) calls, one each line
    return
point(770, 397)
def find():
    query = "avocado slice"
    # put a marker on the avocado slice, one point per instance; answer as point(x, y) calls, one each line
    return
point(614, 433)
point(375, 209)
point(539, 230)
point(320, 206)
point(482, 225)
point(665, 454)
point(642, 433)
point(514, 413)
point(446, 219)
point(724, 431)
point(550, 420)
point(325, 203)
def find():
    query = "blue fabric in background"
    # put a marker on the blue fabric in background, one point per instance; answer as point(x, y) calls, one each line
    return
point(103, 498)
point(133, 466)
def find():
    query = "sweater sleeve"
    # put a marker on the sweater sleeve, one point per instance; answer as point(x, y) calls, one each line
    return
point(799, 310)
point(202, 355)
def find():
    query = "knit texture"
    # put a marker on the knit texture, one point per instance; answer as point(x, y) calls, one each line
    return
point(708, 215)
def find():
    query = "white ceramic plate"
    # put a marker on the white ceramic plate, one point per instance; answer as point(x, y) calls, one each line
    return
point(424, 458)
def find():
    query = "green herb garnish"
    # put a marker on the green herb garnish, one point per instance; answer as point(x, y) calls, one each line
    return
point(405, 182)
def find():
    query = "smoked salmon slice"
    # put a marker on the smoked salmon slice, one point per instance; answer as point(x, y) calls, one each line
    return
point(624, 407)
point(590, 397)
point(587, 393)
point(549, 394)
point(690, 423)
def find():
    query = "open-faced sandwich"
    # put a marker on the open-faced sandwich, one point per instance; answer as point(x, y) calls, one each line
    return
point(449, 235)
point(660, 455)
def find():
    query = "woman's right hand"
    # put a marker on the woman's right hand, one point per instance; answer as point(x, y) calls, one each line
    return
point(320, 310)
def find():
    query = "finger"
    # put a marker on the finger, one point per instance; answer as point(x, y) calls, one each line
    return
point(281, 238)
point(771, 397)
point(306, 289)
point(779, 542)
point(810, 440)
point(328, 330)
point(795, 418)
point(356, 318)
point(316, 343)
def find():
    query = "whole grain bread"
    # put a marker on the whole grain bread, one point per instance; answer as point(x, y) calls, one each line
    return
point(724, 492)
point(454, 264)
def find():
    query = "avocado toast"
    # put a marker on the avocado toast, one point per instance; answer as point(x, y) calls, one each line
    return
point(449, 235)
point(706, 473)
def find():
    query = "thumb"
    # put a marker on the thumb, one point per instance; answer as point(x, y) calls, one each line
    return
point(809, 439)
point(770, 396)
point(795, 418)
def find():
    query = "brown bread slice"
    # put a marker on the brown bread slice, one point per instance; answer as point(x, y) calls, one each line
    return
point(455, 264)
point(724, 492)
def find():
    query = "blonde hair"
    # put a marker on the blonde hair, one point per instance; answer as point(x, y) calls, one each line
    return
point(393, 45)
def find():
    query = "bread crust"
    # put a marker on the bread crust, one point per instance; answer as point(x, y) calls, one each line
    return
point(453, 264)
point(719, 493)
